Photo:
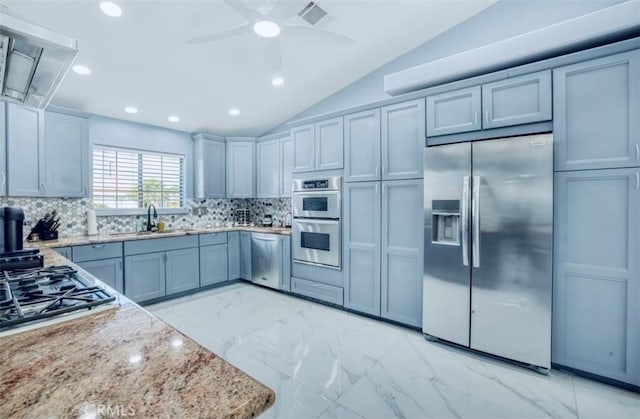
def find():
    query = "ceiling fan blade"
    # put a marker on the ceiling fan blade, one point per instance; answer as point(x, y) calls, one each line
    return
point(272, 54)
point(319, 36)
point(245, 11)
point(228, 33)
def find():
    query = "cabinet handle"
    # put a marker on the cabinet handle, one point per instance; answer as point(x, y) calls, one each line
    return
point(637, 154)
point(384, 169)
point(384, 189)
point(377, 189)
point(377, 171)
point(44, 186)
point(638, 181)
point(120, 264)
point(98, 246)
point(4, 177)
point(486, 117)
point(475, 118)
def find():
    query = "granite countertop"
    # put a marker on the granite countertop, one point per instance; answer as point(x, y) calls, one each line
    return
point(117, 237)
point(122, 361)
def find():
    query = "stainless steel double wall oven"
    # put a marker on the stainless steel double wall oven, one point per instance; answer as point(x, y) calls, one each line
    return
point(316, 221)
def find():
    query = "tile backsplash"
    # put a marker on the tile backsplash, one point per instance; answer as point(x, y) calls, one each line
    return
point(73, 213)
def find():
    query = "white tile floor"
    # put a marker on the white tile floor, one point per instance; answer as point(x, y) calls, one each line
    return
point(326, 363)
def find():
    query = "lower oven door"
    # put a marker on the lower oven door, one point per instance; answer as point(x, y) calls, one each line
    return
point(316, 242)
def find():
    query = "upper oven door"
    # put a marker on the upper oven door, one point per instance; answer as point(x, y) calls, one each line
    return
point(316, 242)
point(316, 204)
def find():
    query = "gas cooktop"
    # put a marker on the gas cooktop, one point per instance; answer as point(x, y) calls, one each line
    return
point(32, 295)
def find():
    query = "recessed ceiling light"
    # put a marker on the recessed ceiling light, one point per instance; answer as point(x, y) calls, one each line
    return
point(81, 69)
point(266, 28)
point(234, 111)
point(110, 9)
point(174, 118)
point(131, 109)
point(277, 81)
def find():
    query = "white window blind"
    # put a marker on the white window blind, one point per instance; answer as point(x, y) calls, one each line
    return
point(124, 178)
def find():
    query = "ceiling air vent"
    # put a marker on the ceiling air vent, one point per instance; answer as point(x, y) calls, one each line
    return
point(312, 13)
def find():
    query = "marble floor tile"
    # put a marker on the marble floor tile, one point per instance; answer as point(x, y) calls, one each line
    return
point(337, 411)
point(596, 400)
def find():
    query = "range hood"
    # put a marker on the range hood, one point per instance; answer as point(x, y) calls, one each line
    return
point(33, 60)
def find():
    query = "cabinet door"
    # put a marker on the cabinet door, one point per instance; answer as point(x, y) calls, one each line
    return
point(183, 271)
point(213, 264)
point(518, 100)
point(304, 153)
point(596, 113)
point(285, 245)
point(240, 170)
point(245, 255)
point(362, 146)
point(65, 154)
point(144, 276)
point(25, 159)
point(454, 112)
point(268, 169)
point(64, 252)
point(596, 272)
point(3, 148)
point(329, 144)
point(362, 247)
point(286, 167)
point(233, 254)
point(214, 169)
point(108, 271)
point(402, 249)
point(403, 140)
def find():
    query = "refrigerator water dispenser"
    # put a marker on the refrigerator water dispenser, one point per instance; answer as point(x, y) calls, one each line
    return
point(446, 222)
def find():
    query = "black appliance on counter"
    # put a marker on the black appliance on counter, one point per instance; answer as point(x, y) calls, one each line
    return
point(12, 253)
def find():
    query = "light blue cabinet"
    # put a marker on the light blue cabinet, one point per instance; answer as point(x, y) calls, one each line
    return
point(285, 245)
point(596, 296)
point(454, 112)
point(240, 174)
point(3, 148)
point(517, 100)
point(403, 140)
point(318, 146)
point(233, 254)
point(64, 252)
point(209, 166)
point(329, 144)
point(362, 239)
point(286, 167)
point(304, 144)
point(182, 270)
point(109, 271)
point(25, 162)
point(362, 146)
point(402, 250)
point(66, 155)
point(245, 255)
point(145, 276)
point(268, 176)
point(596, 115)
point(213, 264)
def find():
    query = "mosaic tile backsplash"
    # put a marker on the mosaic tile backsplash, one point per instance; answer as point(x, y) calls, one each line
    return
point(73, 213)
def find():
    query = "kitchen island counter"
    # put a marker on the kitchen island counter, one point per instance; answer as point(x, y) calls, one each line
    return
point(120, 361)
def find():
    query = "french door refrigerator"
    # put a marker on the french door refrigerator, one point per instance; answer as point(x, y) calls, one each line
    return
point(488, 220)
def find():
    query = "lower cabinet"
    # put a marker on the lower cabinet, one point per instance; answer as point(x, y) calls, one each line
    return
point(245, 255)
point(214, 266)
point(596, 295)
point(383, 249)
point(64, 251)
point(145, 276)
point(109, 271)
point(285, 245)
point(182, 270)
point(233, 254)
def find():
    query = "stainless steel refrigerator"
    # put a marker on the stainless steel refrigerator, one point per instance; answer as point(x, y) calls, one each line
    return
point(488, 221)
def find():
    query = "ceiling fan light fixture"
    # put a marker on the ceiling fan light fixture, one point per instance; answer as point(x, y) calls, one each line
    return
point(109, 8)
point(266, 28)
point(277, 81)
point(234, 111)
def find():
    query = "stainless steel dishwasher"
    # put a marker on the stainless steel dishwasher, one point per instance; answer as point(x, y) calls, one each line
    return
point(266, 260)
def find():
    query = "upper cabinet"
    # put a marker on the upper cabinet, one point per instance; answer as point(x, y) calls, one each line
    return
point(3, 148)
point(513, 101)
point(240, 163)
point(597, 113)
point(274, 166)
point(318, 146)
point(66, 142)
point(209, 166)
point(362, 146)
point(25, 162)
point(403, 140)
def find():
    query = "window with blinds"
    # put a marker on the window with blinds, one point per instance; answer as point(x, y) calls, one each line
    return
point(124, 178)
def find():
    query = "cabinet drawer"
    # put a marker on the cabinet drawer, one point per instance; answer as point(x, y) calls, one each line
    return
point(97, 251)
point(137, 247)
point(213, 238)
point(316, 290)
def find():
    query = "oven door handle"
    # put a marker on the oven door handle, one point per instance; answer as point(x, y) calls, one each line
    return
point(314, 221)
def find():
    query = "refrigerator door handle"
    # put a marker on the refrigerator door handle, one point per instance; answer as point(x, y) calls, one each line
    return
point(475, 220)
point(464, 208)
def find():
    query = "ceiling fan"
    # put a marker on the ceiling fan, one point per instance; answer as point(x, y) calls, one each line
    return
point(270, 26)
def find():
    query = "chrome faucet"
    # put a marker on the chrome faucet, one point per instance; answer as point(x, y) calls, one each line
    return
point(151, 225)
